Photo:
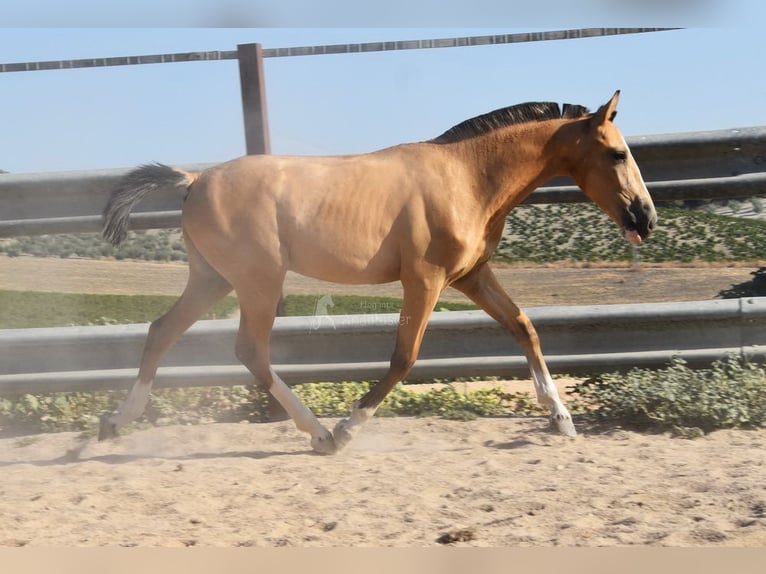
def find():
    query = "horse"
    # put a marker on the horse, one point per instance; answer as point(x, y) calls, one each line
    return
point(428, 214)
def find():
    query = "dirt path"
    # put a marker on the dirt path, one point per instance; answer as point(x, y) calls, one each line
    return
point(501, 482)
point(528, 286)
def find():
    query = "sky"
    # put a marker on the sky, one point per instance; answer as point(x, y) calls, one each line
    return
point(699, 78)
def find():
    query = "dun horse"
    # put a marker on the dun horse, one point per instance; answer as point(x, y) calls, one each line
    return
point(428, 214)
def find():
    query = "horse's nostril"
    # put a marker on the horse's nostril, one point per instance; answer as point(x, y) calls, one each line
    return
point(648, 211)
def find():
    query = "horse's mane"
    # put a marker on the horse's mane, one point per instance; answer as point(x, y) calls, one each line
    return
point(518, 114)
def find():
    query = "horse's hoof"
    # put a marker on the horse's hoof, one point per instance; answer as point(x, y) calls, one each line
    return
point(564, 425)
point(342, 434)
point(106, 429)
point(324, 444)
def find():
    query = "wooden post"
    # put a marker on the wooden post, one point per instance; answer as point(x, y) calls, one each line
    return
point(253, 88)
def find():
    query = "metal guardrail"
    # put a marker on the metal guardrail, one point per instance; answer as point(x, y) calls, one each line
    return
point(695, 165)
point(576, 339)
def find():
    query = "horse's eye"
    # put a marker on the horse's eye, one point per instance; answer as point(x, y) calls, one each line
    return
point(619, 155)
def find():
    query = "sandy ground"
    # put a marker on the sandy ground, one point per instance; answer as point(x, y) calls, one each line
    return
point(499, 482)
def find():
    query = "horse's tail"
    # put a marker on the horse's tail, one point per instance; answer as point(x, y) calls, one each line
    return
point(132, 189)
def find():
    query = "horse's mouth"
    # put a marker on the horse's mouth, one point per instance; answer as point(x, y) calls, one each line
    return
point(631, 234)
point(638, 221)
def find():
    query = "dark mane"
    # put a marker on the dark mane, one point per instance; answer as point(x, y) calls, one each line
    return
point(518, 114)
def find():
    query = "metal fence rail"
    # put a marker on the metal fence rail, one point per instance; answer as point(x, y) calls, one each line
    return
point(694, 165)
point(355, 48)
point(579, 339)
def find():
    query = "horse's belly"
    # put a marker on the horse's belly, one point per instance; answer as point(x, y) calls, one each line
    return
point(349, 276)
point(349, 268)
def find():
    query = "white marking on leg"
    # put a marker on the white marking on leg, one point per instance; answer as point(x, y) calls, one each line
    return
point(547, 395)
point(345, 430)
point(304, 419)
point(134, 405)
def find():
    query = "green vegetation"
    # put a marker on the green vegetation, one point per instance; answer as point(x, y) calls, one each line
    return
point(55, 412)
point(582, 233)
point(690, 403)
point(22, 309)
point(729, 394)
point(534, 233)
point(154, 245)
point(38, 309)
point(335, 400)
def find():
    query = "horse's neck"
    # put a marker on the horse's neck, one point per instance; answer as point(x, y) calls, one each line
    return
point(515, 161)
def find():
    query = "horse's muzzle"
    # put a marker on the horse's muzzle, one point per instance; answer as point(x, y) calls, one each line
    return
point(639, 220)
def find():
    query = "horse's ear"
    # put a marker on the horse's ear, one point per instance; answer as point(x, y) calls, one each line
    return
point(607, 112)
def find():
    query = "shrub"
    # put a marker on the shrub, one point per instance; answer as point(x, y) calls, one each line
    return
point(52, 412)
point(447, 402)
point(730, 394)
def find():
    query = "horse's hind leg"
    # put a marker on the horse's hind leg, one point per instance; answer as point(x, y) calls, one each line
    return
point(204, 287)
point(258, 306)
point(482, 287)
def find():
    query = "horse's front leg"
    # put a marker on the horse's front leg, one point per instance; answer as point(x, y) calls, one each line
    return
point(482, 287)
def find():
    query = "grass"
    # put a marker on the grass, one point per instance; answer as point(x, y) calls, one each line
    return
point(40, 309)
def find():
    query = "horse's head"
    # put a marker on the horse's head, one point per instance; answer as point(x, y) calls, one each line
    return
point(607, 173)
